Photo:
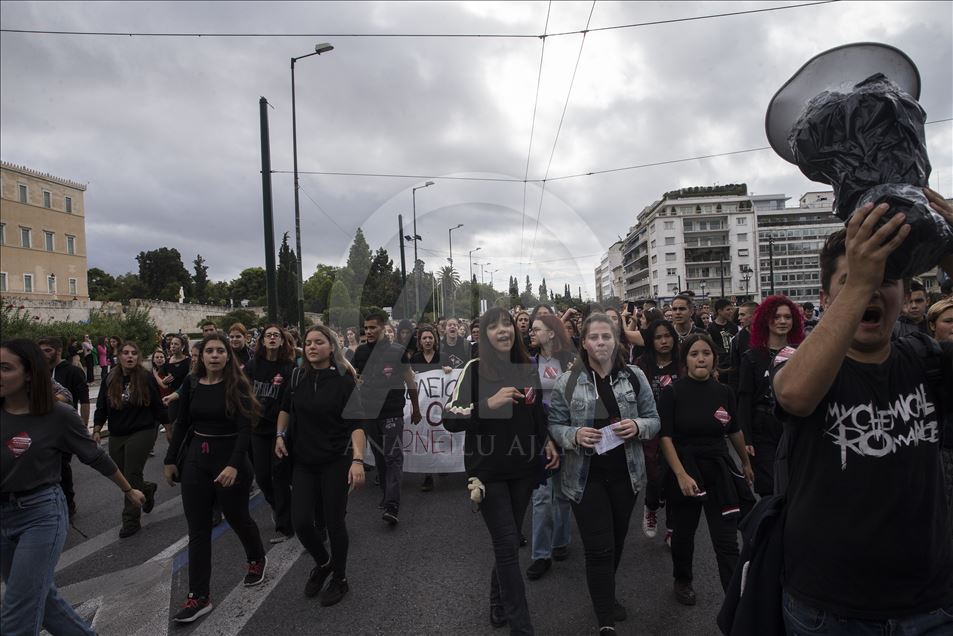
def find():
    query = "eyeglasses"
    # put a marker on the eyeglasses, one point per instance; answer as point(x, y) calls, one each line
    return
point(271, 335)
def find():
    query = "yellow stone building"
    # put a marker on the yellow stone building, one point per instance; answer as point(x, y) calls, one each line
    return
point(42, 235)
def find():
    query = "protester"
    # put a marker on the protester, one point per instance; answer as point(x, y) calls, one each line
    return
point(351, 343)
point(777, 327)
point(940, 322)
point(661, 367)
point(454, 350)
point(497, 403)
point(428, 357)
point(697, 413)
point(914, 316)
point(406, 339)
point(552, 523)
point(102, 352)
point(865, 451)
point(157, 362)
point(319, 426)
point(739, 344)
point(218, 407)
point(270, 371)
point(722, 331)
point(390, 336)
point(385, 377)
point(238, 339)
point(521, 318)
point(130, 403)
point(602, 480)
point(89, 359)
point(34, 432)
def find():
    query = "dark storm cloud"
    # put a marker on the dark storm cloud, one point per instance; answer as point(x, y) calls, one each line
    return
point(165, 131)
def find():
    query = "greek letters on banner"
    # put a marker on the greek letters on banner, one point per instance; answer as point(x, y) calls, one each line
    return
point(428, 446)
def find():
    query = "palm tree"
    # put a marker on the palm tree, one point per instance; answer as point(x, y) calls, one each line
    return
point(449, 280)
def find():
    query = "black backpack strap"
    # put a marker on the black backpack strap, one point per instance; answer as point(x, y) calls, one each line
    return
point(633, 379)
point(571, 383)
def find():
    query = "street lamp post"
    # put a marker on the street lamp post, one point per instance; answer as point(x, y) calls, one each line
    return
point(413, 195)
point(453, 296)
point(473, 292)
point(703, 285)
point(318, 50)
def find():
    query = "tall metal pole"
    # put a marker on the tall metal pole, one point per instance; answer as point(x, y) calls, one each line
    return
point(403, 263)
point(771, 261)
point(721, 269)
point(294, 146)
point(416, 276)
point(271, 285)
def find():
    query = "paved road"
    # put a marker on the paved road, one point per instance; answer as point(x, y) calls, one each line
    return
point(429, 575)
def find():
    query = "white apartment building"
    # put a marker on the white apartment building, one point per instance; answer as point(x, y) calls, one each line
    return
point(609, 280)
point(698, 239)
point(790, 240)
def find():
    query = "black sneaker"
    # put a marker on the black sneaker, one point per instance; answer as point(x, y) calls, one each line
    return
point(150, 492)
point(497, 616)
point(538, 568)
point(194, 607)
point(390, 516)
point(256, 572)
point(619, 613)
point(127, 531)
point(427, 485)
point(316, 581)
point(334, 592)
point(684, 593)
point(561, 553)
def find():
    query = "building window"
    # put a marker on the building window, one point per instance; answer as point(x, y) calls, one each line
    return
point(51, 283)
point(671, 271)
point(742, 252)
point(21, 190)
point(743, 237)
point(48, 238)
point(3, 281)
point(670, 257)
point(670, 225)
point(741, 220)
point(654, 259)
point(28, 283)
point(72, 287)
point(670, 240)
point(654, 274)
point(3, 233)
point(25, 237)
point(653, 244)
point(69, 204)
point(47, 199)
point(70, 245)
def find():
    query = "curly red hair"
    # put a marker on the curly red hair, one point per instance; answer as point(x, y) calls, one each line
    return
point(761, 322)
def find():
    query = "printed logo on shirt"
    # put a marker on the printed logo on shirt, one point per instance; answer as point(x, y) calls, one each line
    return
point(530, 394)
point(869, 430)
point(664, 380)
point(387, 371)
point(19, 443)
point(278, 379)
point(783, 355)
point(550, 373)
point(722, 416)
point(455, 361)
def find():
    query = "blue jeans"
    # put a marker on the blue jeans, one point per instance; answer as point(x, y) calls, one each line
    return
point(800, 618)
point(552, 516)
point(32, 535)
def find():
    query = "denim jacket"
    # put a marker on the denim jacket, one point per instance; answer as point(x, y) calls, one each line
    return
point(565, 418)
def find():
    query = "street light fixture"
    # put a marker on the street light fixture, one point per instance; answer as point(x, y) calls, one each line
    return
point(473, 291)
point(413, 194)
point(318, 50)
point(453, 296)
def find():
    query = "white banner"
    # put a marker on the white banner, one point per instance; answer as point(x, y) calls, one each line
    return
point(428, 446)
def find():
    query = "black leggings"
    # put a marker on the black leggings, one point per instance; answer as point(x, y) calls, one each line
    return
point(683, 514)
point(324, 488)
point(603, 516)
point(271, 478)
point(207, 457)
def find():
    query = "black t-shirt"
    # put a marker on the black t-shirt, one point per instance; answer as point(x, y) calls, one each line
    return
point(74, 379)
point(455, 356)
point(867, 533)
point(381, 367)
point(178, 370)
point(419, 363)
point(129, 418)
point(722, 335)
point(607, 412)
point(203, 408)
point(327, 409)
point(269, 381)
point(658, 377)
point(695, 412)
point(681, 338)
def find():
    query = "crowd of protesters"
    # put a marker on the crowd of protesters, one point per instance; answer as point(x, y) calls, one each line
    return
point(699, 405)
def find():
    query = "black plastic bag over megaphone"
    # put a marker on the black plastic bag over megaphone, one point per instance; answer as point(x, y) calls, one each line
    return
point(866, 140)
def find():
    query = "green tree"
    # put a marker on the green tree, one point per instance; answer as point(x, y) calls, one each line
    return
point(340, 308)
point(162, 273)
point(543, 293)
point(200, 282)
point(101, 284)
point(383, 283)
point(359, 263)
point(448, 281)
point(317, 288)
point(529, 287)
point(128, 286)
point(250, 286)
point(287, 283)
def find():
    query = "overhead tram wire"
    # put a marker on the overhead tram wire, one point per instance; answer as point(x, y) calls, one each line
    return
point(590, 173)
point(409, 35)
point(552, 154)
point(322, 210)
point(532, 128)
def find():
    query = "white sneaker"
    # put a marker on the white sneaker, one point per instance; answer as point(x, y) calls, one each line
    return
point(668, 539)
point(649, 523)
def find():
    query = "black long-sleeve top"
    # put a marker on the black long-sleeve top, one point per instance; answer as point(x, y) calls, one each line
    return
point(269, 382)
point(203, 409)
point(129, 418)
point(327, 409)
point(754, 390)
point(504, 443)
point(32, 448)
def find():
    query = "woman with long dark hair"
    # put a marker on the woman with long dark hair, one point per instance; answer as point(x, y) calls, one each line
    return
point(35, 432)
point(327, 443)
point(427, 358)
point(552, 515)
point(218, 408)
point(600, 412)
point(130, 402)
point(697, 414)
point(270, 371)
point(497, 403)
point(660, 364)
point(777, 326)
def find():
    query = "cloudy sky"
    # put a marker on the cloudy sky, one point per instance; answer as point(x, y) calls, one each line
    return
point(165, 130)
